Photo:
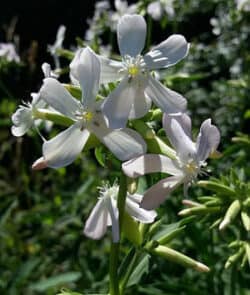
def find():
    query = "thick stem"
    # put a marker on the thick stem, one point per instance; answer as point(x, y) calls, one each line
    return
point(115, 247)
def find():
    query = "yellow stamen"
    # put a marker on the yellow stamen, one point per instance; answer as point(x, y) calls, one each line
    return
point(133, 70)
point(88, 116)
point(191, 167)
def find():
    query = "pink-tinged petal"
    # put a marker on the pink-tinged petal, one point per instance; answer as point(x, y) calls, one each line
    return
point(183, 120)
point(167, 53)
point(97, 222)
point(166, 99)
point(150, 163)
point(110, 70)
point(59, 98)
point(139, 214)
point(62, 150)
point(40, 164)
point(157, 194)
point(208, 140)
point(131, 34)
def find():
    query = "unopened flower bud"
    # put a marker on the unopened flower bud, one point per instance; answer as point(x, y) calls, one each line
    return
point(40, 164)
point(230, 215)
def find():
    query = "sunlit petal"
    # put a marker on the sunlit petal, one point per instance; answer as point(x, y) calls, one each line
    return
point(150, 163)
point(131, 33)
point(62, 150)
point(208, 140)
point(59, 98)
point(166, 99)
point(167, 53)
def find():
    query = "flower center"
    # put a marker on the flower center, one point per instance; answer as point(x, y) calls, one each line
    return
point(87, 116)
point(191, 167)
point(133, 65)
point(133, 70)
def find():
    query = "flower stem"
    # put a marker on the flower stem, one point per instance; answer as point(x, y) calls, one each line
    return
point(115, 247)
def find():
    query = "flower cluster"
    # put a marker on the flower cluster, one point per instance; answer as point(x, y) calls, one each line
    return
point(107, 118)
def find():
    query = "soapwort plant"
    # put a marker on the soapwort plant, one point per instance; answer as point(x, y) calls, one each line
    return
point(109, 106)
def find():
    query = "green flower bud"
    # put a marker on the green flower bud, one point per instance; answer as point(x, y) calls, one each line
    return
point(177, 257)
point(233, 258)
point(230, 215)
point(245, 220)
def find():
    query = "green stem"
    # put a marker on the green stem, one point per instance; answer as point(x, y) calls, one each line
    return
point(129, 271)
point(113, 269)
point(115, 247)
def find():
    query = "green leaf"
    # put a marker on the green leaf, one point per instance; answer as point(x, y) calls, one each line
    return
point(141, 269)
point(100, 156)
point(62, 279)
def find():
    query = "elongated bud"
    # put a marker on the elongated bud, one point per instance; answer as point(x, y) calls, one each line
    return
point(230, 215)
point(190, 203)
point(245, 220)
point(217, 187)
point(40, 164)
point(198, 210)
point(235, 244)
point(177, 257)
point(233, 258)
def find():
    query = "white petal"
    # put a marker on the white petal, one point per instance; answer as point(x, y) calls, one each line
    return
point(131, 33)
point(46, 68)
point(208, 140)
point(157, 194)
point(118, 104)
point(97, 222)
point(184, 121)
point(166, 99)
point(123, 143)
point(167, 53)
point(22, 120)
point(62, 150)
point(183, 144)
point(85, 67)
point(114, 216)
point(155, 10)
point(141, 103)
point(110, 70)
point(59, 98)
point(138, 213)
point(150, 163)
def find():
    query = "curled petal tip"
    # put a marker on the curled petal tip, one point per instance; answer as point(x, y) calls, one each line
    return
point(202, 267)
point(40, 164)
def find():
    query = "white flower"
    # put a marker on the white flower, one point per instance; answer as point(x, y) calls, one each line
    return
point(105, 213)
point(243, 5)
point(8, 51)
point(156, 8)
point(132, 98)
point(122, 8)
point(190, 158)
point(65, 147)
point(23, 118)
point(60, 35)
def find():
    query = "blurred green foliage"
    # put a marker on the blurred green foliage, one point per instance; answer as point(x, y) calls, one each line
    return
point(42, 214)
